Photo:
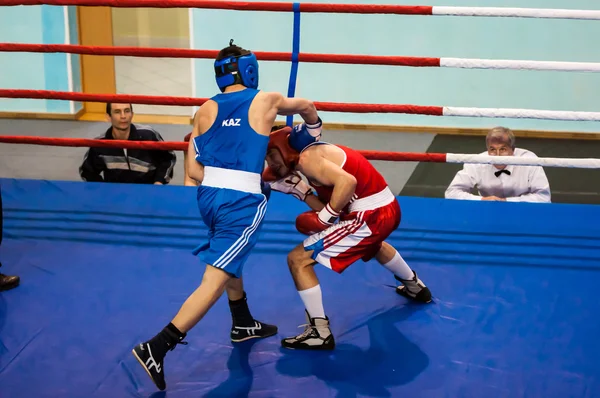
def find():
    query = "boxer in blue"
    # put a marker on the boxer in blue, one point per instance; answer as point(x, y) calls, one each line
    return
point(226, 155)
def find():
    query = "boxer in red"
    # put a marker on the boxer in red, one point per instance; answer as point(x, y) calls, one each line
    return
point(351, 191)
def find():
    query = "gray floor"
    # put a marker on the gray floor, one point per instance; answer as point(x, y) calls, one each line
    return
point(62, 163)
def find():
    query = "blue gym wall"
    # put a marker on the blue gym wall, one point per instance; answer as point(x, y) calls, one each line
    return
point(464, 37)
point(35, 71)
point(437, 36)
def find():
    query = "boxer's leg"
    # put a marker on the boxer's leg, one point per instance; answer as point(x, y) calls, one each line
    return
point(150, 354)
point(232, 235)
point(202, 299)
point(390, 259)
point(244, 326)
point(235, 289)
point(412, 287)
point(317, 334)
point(301, 265)
point(243, 228)
point(336, 248)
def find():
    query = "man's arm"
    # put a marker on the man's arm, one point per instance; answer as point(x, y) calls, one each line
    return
point(187, 180)
point(91, 167)
point(327, 173)
point(539, 187)
point(195, 171)
point(296, 106)
point(462, 184)
point(314, 203)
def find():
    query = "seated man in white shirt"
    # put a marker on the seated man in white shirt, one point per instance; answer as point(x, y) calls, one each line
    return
point(499, 182)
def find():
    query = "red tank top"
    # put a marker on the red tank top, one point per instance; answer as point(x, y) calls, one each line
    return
point(368, 180)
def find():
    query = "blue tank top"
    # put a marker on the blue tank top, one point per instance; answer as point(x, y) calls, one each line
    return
point(231, 143)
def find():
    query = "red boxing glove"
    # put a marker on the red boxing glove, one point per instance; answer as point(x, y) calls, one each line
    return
point(268, 175)
point(311, 222)
point(308, 223)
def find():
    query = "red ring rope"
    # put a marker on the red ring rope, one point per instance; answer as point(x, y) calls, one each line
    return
point(329, 8)
point(323, 106)
point(237, 5)
point(309, 57)
point(211, 54)
point(162, 145)
point(188, 101)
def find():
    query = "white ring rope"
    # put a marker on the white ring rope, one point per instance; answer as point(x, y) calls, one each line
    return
point(523, 161)
point(521, 113)
point(469, 63)
point(516, 12)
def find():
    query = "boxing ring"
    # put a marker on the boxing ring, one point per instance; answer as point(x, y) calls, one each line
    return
point(515, 311)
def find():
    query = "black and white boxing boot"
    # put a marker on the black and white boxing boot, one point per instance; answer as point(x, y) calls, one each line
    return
point(414, 289)
point(316, 336)
point(151, 354)
point(244, 326)
point(258, 330)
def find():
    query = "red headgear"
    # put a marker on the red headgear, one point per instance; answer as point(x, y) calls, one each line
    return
point(279, 140)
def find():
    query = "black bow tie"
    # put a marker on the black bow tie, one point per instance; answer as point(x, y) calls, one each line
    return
point(497, 173)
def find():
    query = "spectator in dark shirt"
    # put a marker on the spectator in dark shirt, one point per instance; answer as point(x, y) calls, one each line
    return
point(138, 166)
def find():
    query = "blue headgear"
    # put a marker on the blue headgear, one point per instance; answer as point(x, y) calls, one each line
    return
point(238, 69)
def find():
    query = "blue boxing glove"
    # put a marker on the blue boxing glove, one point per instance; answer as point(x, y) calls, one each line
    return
point(304, 134)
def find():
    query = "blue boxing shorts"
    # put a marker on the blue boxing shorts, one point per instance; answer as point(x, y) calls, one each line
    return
point(234, 219)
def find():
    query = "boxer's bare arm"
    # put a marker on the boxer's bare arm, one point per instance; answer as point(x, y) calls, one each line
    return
point(187, 180)
point(314, 203)
point(267, 105)
point(292, 106)
point(317, 168)
point(195, 170)
point(203, 120)
point(205, 117)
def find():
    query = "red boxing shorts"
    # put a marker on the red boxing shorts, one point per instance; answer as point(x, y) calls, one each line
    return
point(358, 235)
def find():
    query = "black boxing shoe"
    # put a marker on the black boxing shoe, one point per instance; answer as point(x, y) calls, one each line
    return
point(258, 331)
point(8, 282)
point(151, 354)
point(414, 289)
point(154, 366)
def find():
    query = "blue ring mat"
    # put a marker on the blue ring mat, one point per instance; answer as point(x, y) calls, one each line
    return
point(105, 266)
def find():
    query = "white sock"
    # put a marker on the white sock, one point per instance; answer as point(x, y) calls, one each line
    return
point(313, 301)
point(398, 267)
